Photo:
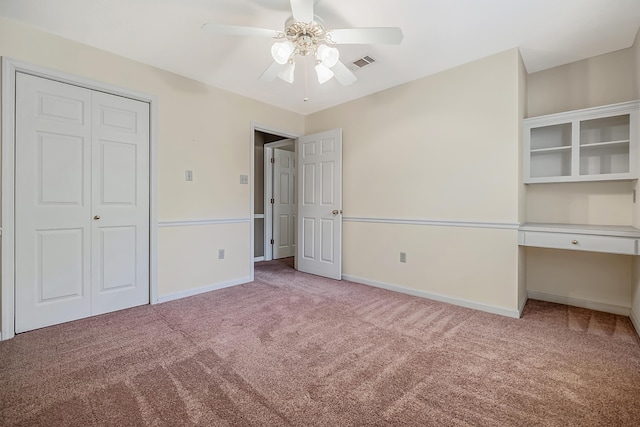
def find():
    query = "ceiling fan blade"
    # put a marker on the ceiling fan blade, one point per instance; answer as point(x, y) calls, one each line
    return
point(372, 35)
point(234, 30)
point(271, 73)
point(343, 74)
point(302, 10)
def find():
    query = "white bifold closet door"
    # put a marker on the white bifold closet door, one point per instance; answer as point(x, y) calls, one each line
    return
point(81, 202)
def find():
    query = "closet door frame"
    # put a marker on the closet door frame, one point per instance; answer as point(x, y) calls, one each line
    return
point(7, 227)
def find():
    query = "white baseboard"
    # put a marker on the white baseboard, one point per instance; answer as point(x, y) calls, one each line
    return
point(577, 302)
point(203, 289)
point(436, 297)
point(635, 321)
point(521, 305)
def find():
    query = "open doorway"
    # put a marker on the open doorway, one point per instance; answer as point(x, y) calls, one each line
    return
point(274, 197)
point(318, 230)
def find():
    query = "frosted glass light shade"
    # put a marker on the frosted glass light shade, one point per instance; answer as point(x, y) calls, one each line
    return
point(288, 73)
point(324, 73)
point(328, 55)
point(282, 51)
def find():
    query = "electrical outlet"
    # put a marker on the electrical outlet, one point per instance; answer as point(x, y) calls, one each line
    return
point(220, 253)
point(188, 175)
point(244, 179)
point(403, 257)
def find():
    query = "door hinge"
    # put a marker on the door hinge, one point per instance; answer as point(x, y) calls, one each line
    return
point(273, 160)
point(273, 201)
point(272, 241)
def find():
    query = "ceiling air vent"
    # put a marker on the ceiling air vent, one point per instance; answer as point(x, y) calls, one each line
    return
point(361, 63)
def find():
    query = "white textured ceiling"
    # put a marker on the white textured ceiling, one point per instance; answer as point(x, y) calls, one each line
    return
point(438, 35)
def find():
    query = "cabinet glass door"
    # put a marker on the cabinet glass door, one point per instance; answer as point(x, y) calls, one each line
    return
point(550, 151)
point(604, 145)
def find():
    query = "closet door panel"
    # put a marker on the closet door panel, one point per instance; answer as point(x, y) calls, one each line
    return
point(120, 203)
point(52, 202)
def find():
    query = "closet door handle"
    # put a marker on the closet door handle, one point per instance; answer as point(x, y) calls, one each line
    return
point(97, 217)
point(574, 242)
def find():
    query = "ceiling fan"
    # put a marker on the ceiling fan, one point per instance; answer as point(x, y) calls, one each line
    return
point(305, 35)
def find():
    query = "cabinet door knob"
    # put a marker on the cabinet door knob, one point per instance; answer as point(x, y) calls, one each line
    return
point(97, 217)
point(575, 242)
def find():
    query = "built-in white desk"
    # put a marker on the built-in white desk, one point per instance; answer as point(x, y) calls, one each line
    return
point(593, 238)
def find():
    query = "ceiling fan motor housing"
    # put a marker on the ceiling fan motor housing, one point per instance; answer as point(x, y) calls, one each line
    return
point(306, 36)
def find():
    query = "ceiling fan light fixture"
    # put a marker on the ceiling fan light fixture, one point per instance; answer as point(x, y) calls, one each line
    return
point(323, 72)
point(281, 52)
point(288, 73)
point(328, 55)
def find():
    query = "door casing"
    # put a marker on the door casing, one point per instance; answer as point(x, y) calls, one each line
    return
point(266, 129)
point(9, 69)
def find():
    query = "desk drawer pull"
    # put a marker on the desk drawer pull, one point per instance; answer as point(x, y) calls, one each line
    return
point(574, 242)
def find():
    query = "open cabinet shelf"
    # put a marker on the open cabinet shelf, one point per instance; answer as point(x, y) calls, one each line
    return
point(594, 144)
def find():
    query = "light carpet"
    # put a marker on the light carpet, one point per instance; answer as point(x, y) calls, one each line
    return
point(296, 349)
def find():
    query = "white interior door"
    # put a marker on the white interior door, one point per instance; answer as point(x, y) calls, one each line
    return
point(320, 204)
point(284, 206)
point(120, 256)
point(79, 154)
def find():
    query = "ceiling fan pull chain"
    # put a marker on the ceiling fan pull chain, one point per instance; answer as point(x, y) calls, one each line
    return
point(306, 79)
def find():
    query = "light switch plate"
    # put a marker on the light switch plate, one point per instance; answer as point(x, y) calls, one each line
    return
point(244, 179)
point(188, 175)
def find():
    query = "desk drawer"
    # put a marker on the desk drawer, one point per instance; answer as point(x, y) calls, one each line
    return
point(581, 242)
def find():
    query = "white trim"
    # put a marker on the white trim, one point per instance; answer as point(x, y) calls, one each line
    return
point(9, 69)
point(522, 304)
point(436, 297)
point(594, 230)
point(203, 289)
point(8, 189)
point(635, 321)
point(192, 222)
point(578, 302)
point(258, 259)
point(586, 113)
point(436, 223)
point(268, 180)
point(254, 126)
point(255, 216)
point(153, 199)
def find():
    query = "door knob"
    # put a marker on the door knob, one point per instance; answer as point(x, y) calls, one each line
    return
point(336, 212)
point(97, 217)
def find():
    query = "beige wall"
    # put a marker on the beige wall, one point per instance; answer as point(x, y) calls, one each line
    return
point(201, 128)
point(522, 200)
point(588, 276)
point(635, 301)
point(445, 147)
point(601, 80)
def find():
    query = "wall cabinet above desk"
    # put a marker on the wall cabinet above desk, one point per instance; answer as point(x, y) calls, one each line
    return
point(594, 144)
